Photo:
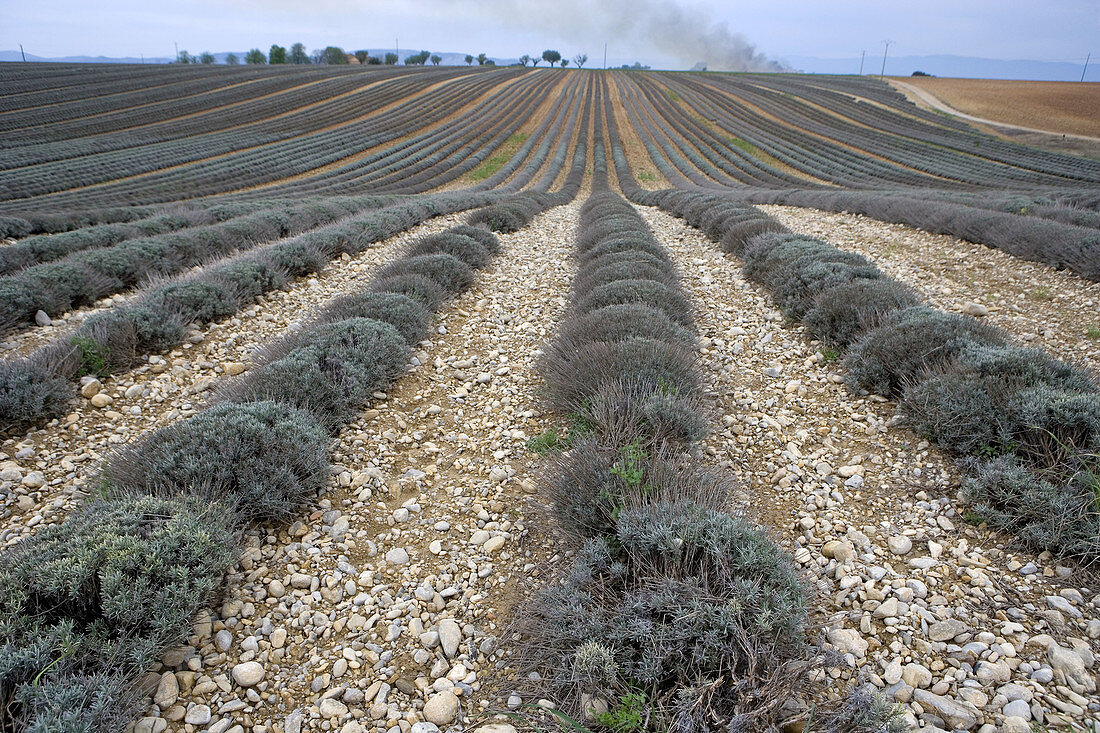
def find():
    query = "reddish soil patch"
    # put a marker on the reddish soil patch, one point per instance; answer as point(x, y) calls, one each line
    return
point(1058, 106)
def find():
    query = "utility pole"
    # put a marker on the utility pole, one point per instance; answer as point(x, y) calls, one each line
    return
point(21, 51)
point(605, 56)
point(882, 73)
point(397, 50)
point(177, 51)
point(862, 55)
point(1082, 70)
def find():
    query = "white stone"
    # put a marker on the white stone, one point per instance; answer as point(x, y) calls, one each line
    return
point(397, 556)
point(450, 637)
point(247, 674)
point(441, 708)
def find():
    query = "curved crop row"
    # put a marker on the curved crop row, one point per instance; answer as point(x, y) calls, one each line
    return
point(166, 528)
point(38, 388)
point(86, 276)
point(960, 383)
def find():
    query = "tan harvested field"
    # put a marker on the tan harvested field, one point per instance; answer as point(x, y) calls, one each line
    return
point(1057, 106)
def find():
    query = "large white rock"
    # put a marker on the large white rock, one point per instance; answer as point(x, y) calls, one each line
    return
point(247, 674)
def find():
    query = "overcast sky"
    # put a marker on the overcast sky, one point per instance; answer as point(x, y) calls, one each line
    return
point(667, 33)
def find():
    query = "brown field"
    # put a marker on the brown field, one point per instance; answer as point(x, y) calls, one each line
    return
point(1057, 106)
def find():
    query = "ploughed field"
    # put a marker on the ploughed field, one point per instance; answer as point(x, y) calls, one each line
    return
point(406, 399)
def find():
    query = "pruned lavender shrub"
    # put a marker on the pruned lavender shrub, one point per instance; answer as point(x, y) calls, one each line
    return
point(333, 373)
point(622, 243)
point(688, 595)
point(842, 313)
point(29, 390)
point(261, 458)
point(1055, 513)
point(984, 400)
point(572, 379)
point(422, 289)
point(451, 273)
point(620, 322)
point(407, 315)
point(737, 236)
point(467, 249)
point(591, 484)
point(914, 340)
point(595, 277)
point(89, 604)
point(488, 240)
point(656, 295)
point(196, 300)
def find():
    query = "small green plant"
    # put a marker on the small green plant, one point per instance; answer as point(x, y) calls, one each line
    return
point(628, 715)
point(629, 467)
point(830, 354)
point(672, 95)
point(1092, 332)
point(546, 442)
point(972, 517)
point(93, 356)
point(1042, 292)
point(646, 176)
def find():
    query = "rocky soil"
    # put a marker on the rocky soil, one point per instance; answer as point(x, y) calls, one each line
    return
point(385, 608)
point(955, 622)
point(1042, 307)
point(45, 473)
point(382, 609)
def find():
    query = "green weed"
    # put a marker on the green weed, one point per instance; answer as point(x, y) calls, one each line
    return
point(628, 715)
point(93, 356)
point(546, 442)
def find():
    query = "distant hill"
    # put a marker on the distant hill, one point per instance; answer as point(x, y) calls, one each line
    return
point(944, 65)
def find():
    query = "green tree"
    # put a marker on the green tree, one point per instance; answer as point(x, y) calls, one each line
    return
point(417, 59)
point(551, 57)
point(206, 58)
point(298, 54)
point(391, 58)
point(373, 60)
point(255, 56)
point(481, 59)
point(334, 56)
point(436, 59)
point(362, 56)
point(469, 59)
point(184, 58)
point(564, 63)
point(524, 59)
point(231, 59)
point(580, 60)
point(277, 54)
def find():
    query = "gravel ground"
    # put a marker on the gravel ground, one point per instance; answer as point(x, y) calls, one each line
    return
point(381, 608)
point(1042, 307)
point(953, 621)
point(43, 474)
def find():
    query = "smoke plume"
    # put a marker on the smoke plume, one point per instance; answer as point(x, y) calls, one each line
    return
point(661, 26)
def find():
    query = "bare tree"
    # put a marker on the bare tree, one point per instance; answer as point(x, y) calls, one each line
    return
point(580, 60)
point(524, 59)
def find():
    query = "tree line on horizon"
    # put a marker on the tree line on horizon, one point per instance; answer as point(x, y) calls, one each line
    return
point(334, 56)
